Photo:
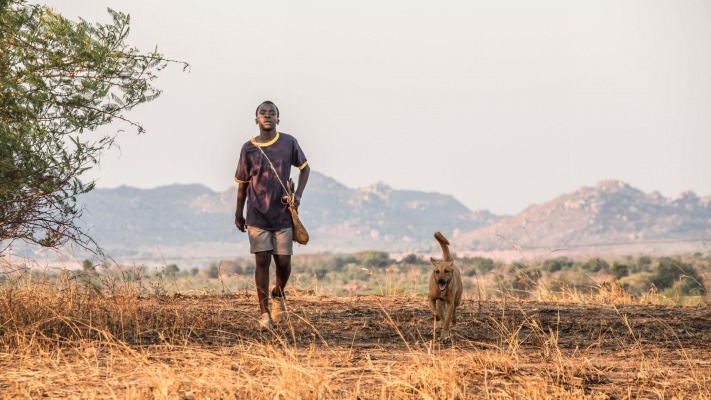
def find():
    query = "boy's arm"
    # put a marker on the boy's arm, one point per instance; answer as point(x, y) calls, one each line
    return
point(239, 213)
point(303, 179)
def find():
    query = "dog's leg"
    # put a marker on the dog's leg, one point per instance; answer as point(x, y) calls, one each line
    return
point(440, 310)
point(457, 302)
point(435, 317)
point(446, 334)
point(433, 307)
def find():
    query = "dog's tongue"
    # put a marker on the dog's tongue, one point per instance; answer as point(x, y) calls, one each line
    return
point(442, 286)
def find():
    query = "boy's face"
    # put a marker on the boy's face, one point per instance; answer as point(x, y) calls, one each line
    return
point(267, 117)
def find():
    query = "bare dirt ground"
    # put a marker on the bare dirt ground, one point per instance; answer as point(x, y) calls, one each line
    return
point(603, 351)
point(360, 347)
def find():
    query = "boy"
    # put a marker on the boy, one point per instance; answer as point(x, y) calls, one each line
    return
point(268, 222)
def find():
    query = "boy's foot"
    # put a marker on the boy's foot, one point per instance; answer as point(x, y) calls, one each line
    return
point(278, 308)
point(265, 322)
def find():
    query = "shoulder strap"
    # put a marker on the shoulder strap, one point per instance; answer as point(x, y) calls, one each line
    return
point(276, 174)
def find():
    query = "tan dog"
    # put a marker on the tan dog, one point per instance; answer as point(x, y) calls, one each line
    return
point(446, 288)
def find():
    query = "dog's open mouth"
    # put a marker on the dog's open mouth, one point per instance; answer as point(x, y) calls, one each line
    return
point(442, 285)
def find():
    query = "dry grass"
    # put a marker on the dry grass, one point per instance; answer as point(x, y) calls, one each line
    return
point(66, 339)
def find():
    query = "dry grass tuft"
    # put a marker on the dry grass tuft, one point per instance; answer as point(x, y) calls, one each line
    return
point(87, 338)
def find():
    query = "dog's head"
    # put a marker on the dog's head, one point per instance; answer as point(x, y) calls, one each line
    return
point(442, 273)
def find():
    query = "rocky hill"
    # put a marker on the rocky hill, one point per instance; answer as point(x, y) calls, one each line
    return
point(194, 221)
point(610, 214)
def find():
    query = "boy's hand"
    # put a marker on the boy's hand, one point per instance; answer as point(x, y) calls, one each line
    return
point(239, 222)
point(297, 201)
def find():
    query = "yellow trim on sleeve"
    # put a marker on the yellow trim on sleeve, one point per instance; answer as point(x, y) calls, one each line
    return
point(239, 181)
point(304, 165)
point(269, 143)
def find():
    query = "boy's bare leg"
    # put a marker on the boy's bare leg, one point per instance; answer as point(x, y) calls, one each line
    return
point(283, 271)
point(261, 279)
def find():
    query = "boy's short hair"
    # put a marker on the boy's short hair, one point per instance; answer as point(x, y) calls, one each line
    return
point(256, 113)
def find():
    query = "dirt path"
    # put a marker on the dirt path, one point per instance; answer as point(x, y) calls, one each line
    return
point(601, 351)
point(376, 321)
point(207, 346)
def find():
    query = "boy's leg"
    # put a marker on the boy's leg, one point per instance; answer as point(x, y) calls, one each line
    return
point(283, 249)
point(283, 271)
point(283, 244)
point(261, 279)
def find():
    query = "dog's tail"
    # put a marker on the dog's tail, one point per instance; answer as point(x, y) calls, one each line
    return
point(444, 243)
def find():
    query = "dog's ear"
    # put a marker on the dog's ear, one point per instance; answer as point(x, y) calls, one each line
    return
point(433, 261)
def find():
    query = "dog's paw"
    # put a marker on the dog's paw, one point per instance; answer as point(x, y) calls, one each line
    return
point(446, 335)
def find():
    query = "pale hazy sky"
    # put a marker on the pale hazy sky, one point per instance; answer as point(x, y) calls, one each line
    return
point(502, 104)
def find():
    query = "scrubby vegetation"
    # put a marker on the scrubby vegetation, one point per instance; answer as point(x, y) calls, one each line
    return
point(678, 279)
point(126, 333)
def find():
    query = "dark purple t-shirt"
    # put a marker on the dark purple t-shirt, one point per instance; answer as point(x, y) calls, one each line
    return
point(265, 209)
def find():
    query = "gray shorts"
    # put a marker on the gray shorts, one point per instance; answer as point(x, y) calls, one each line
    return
point(278, 242)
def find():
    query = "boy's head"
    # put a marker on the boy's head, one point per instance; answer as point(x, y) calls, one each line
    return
point(267, 116)
point(267, 102)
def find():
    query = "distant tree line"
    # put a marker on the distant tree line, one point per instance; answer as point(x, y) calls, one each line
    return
point(343, 273)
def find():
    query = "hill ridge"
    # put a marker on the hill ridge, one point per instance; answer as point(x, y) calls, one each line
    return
point(192, 217)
